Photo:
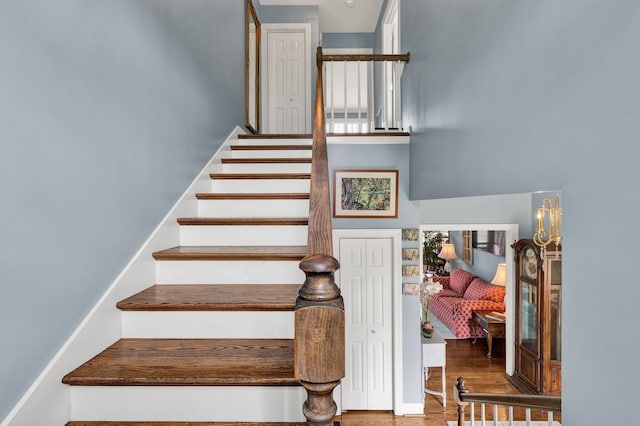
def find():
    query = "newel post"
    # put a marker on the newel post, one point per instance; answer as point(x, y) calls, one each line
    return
point(319, 337)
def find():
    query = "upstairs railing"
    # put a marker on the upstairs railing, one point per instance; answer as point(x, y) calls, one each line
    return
point(548, 404)
point(350, 83)
point(319, 313)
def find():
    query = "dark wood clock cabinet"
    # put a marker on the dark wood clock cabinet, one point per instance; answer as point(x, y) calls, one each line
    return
point(538, 288)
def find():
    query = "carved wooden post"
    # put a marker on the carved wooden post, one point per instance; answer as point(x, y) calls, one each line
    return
point(319, 338)
point(459, 390)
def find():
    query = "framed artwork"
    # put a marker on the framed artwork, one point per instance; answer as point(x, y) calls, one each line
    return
point(411, 289)
point(365, 193)
point(410, 254)
point(410, 234)
point(410, 271)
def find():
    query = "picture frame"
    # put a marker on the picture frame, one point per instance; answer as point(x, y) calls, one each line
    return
point(412, 254)
point(410, 234)
point(365, 194)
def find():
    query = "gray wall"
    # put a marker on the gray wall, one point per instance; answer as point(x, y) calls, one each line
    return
point(544, 96)
point(484, 263)
point(376, 157)
point(349, 40)
point(108, 110)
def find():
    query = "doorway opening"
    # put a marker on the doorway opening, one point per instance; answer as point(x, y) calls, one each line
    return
point(511, 235)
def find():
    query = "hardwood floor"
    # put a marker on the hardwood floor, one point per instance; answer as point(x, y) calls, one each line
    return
point(464, 359)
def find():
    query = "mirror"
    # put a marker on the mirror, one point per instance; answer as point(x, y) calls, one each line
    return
point(252, 70)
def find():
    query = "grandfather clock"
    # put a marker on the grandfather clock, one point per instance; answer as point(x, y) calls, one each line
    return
point(538, 292)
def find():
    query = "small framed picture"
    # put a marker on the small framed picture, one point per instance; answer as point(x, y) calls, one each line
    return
point(410, 254)
point(410, 271)
point(365, 193)
point(410, 234)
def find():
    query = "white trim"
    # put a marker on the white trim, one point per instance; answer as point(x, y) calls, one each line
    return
point(412, 409)
point(47, 401)
point(368, 140)
point(265, 29)
point(512, 235)
point(396, 244)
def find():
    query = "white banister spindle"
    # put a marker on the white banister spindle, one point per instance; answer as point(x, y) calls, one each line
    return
point(359, 96)
point(346, 97)
point(495, 415)
point(333, 114)
point(550, 417)
point(483, 414)
point(370, 110)
point(527, 416)
point(510, 415)
point(473, 414)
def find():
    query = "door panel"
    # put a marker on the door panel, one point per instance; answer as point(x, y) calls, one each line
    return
point(286, 73)
point(365, 277)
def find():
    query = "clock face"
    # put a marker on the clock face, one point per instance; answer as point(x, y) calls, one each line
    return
point(530, 264)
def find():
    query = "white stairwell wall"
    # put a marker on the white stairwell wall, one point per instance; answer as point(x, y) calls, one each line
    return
point(49, 402)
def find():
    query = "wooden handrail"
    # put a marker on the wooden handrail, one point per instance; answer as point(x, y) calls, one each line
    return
point(403, 57)
point(463, 398)
point(319, 312)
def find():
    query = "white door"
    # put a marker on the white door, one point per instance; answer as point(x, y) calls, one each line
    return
point(365, 281)
point(286, 91)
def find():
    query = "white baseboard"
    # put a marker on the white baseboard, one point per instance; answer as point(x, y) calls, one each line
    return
point(411, 409)
point(47, 401)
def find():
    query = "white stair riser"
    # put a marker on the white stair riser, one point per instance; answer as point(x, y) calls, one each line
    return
point(267, 168)
point(228, 272)
point(260, 185)
point(273, 141)
point(208, 325)
point(188, 403)
point(253, 235)
point(253, 208)
point(275, 153)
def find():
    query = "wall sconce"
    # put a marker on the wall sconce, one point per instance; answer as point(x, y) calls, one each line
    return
point(500, 278)
point(448, 252)
point(548, 231)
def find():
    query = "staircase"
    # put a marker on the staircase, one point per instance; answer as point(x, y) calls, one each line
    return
point(213, 339)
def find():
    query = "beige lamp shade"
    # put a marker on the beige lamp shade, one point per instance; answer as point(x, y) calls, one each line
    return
point(448, 252)
point(500, 278)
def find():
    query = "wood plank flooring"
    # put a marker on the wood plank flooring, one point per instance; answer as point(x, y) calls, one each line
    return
point(463, 359)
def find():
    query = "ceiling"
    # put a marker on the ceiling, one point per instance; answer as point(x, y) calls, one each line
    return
point(336, 17)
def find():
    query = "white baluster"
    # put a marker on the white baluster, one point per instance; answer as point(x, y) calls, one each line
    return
point(495, 415)
point(528, 416)
point(472, 414)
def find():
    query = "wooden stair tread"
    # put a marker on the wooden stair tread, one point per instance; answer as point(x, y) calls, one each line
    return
point(189, 362)
point(252, 196)
point(232, 253)
point(271, 147)
point(213, 297)
point(276, 136)
point(260, 176)
point(265, 160)
point(246, 221)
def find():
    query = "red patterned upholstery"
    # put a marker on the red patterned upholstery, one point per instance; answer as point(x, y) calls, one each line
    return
point(454, 310)
point(479, 289)
point(460, 280)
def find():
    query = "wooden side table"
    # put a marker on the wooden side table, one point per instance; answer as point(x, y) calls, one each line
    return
point(434, 354)
point(490, 325)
